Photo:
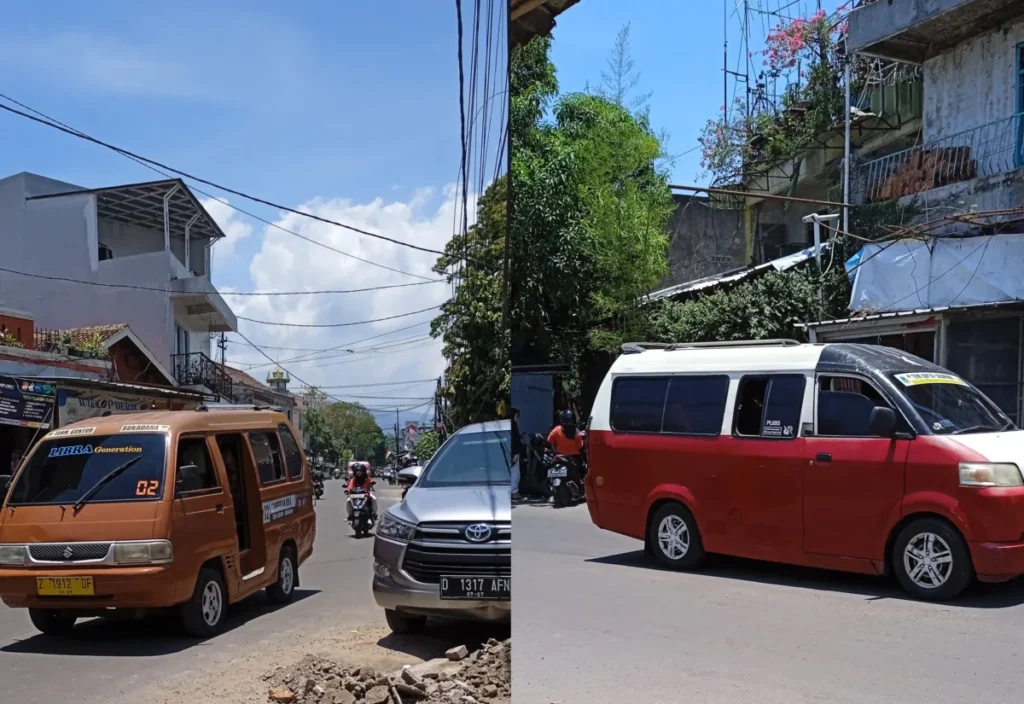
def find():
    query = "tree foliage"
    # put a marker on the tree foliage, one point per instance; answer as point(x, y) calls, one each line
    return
point(426, 445)
point(590, 211)
point(342, 431)
point(470, 325)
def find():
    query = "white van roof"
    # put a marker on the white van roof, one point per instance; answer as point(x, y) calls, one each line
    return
point(739, 356)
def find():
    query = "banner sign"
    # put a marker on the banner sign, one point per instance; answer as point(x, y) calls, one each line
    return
point(411, 432)
point(26, 403)
point(79, 405)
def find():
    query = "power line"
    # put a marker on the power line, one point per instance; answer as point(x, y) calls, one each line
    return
point(432, 380)
point(241, 194)
point(224, 293)
point(143, 162)
point(336, 325)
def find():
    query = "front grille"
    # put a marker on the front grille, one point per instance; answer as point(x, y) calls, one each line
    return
point(69, 552)
point(441, 549)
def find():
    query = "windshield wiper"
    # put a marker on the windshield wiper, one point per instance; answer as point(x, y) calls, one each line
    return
point(972, 429)
point(106, 478)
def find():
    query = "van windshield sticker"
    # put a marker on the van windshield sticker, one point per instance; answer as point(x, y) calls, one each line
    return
point(145, 428)
point(71, 432)
point(929, 378)
point(276, 509)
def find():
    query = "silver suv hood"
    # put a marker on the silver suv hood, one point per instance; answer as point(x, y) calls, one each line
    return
point(456, 504)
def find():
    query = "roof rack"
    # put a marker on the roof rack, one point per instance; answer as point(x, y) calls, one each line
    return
point(638, 347)
point(236, 407)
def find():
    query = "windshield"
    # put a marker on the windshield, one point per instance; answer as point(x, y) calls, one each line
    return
point(469, 459)
point(950, 406)
point(61, 471)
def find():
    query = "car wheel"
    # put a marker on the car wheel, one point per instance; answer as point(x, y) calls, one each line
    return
point(932, 561)
point(203, 614)
point(52, 623)
point(675, 538)
point(283, 590)
point(404, 624)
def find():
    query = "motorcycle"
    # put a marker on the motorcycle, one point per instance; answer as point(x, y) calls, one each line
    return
point(318, 485)
point(565, 481)
point(362, 519)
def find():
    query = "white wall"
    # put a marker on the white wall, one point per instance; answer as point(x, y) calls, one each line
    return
point(972, 85)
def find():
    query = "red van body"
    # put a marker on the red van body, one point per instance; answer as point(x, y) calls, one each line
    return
point(810, 481)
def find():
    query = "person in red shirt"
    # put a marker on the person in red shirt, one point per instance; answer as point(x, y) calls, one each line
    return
point(565, 438)
point(361, 480)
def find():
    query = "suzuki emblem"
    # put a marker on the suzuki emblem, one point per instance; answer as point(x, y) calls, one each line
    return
point(68, 552)
point(478, 532)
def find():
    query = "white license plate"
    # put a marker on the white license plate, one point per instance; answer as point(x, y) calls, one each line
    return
point(558, 472)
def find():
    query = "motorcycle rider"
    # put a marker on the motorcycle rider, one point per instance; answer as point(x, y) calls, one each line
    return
point(566, 439)
point(361, 480)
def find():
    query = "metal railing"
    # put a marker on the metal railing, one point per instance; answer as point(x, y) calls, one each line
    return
point(196, 369)
point(989, 149)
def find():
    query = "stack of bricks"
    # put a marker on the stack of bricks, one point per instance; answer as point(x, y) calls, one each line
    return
point(924, 170)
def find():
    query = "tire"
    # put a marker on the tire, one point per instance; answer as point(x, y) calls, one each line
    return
point(675, 538)
point(562, 497)
point(403, 624)
point(203, 615)
point(936, 540)
point(52, 623)
point(283, 590)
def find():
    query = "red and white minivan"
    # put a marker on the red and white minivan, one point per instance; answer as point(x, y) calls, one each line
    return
point(838, 456)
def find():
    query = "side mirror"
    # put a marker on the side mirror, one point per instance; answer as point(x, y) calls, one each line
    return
point(5, 481)
point(187, 479)
point(882, 423)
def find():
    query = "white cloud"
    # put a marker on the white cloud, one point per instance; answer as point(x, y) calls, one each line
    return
point(286, 263)
point(230, 220)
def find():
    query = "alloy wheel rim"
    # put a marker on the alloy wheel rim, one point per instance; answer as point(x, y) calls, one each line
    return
point(286, 575)
point(928, 560)
point(213, 603)
point(674, 537)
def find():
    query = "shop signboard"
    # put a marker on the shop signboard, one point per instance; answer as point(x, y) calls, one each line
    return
point(26, 403)
point(76, 405)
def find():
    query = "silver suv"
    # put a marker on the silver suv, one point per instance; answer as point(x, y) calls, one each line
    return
point(446, 549)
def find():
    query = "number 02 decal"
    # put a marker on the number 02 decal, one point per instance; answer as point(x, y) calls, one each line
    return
point(147, 488)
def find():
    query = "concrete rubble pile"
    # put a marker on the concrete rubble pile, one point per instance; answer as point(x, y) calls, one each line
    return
point(481, 677)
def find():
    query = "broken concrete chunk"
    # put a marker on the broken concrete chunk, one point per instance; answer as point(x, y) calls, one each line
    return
point(456, 654)
point(281, 695)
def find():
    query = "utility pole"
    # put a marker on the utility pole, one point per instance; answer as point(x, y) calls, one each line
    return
point(222, 345)
point(398, 448)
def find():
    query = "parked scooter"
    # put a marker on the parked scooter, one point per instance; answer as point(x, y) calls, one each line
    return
point(361, 517)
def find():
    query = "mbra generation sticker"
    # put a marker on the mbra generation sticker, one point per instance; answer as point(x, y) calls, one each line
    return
point(916, 379)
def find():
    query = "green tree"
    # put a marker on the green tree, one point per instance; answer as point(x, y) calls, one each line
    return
point(354, 429)
point(590, 211)
point(470, 325)
point(426, 445)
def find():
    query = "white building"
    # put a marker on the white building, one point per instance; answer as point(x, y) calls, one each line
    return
point(155, 236)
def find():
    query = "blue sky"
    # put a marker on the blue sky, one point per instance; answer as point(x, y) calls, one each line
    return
point(350, 109)
point(677, 47)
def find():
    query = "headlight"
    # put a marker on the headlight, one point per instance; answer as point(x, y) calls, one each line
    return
point(13, 554)
point(985, 474)
point(391, 527)
point(143, 552)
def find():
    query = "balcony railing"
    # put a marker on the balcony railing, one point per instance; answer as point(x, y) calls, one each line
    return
point(987, 150)
point(196, 369)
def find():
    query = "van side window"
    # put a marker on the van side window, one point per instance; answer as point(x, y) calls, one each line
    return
point(844, 406)
point(195, 468)
point(770, 406)
point(292, 455)
point(268, 456)
point(638, 404)
point(696, 405)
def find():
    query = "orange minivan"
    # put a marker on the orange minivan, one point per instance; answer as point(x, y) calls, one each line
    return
point(191, 510)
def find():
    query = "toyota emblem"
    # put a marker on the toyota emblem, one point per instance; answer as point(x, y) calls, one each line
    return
point(68, 552)
point(478, 532)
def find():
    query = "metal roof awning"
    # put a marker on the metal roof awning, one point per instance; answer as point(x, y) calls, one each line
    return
point(124, 387)
point(142, 205)
point(530, 18)
point(905, 316)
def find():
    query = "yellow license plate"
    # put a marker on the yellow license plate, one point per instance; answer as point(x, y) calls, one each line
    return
point(65, 586)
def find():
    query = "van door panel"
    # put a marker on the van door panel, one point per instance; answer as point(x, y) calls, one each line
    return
point(852, 486)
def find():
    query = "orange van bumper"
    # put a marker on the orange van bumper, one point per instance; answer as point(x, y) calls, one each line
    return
point(144, 587)
point(997, 561)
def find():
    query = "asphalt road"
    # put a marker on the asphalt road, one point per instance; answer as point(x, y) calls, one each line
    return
point(104, 660)
point(596, 622)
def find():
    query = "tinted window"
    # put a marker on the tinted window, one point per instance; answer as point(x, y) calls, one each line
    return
point(195, 468)
point(845, 405)
point(769, 406)
point(950, 407)
point(292, 454)
point(638, 404)
point(696, 405)
point(469, 459)
point(267, 452)
point(62, 470)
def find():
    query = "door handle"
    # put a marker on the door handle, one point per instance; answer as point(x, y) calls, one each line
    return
point(823, 457)
point(220, 508)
